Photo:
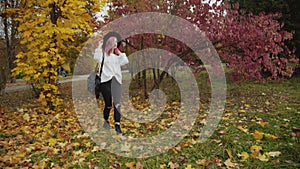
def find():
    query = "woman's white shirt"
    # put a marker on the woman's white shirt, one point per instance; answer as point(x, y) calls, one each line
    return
point(112, 65)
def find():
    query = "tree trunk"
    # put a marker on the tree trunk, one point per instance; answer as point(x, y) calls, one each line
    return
point(3, 80)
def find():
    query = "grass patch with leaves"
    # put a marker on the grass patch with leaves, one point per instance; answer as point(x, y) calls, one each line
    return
point(259, 129)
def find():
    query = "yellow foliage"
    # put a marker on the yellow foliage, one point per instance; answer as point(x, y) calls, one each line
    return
point(47, 35)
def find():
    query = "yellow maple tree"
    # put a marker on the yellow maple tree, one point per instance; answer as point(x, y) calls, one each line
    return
point(48, 29)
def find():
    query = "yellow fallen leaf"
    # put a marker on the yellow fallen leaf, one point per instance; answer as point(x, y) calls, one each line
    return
point(258, 135)
point(87, 143)
point(263, 123)
point(244, 156)
point(225, 118)
point(271, 136)
point(52, 142)
point(229, 153)
point(242, 111)
point(162, 166)
point(263, 157)
point(242, 129)
point(130, 164)
point(189, 167)
point(76, 144)
point(255, 148)
point(284, 125)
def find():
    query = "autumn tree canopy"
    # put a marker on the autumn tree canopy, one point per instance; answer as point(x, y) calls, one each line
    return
point(49, 29)
point(252, 46)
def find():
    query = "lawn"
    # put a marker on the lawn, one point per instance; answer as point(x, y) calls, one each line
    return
point(259, 129)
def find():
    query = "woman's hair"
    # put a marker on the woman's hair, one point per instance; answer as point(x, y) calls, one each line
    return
point(112, 34)
point(110, 43)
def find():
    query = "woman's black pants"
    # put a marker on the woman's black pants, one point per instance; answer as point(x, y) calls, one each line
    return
point(111, 92)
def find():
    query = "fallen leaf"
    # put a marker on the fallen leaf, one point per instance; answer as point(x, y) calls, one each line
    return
point(263, 123)
point(173, 165)
point(222, 132)
point(52, 142)
point(263, 157)
point(162, 166)
point(243, 129)
point(230, 164)
point(296, 132)
point(258, 135)
point(229, 153)
point(244, 156)
point(242, 111)
point(271, 136)
point(247, 105)
point(26, 117)
point(130, 164)
point(255, 150)
point(203, 162)
point(189, 167)
point(203, 121)
point(284, 125)
point(274, 154)
point(139, 166)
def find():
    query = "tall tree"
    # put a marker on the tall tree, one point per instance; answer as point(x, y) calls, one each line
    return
point(48, 30)
point(10, 38)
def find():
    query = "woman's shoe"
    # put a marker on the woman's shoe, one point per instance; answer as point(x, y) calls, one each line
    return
point(106, 125)
point(118, 129)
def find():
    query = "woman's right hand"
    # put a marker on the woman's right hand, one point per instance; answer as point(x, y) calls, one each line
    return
point(117, 51)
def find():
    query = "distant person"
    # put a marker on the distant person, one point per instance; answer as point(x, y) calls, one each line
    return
point(62, 72)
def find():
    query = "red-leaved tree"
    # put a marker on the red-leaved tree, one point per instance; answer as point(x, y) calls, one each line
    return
point(252, 46)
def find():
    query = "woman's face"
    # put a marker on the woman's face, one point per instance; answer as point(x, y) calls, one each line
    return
point(114, 42)
point(111, 44)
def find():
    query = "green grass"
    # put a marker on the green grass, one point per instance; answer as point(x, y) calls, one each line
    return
point(277, 103)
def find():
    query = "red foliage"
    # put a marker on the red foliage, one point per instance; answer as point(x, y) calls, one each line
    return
point(253, 47)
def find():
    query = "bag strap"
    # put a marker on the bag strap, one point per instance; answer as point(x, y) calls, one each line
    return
point(101, 65)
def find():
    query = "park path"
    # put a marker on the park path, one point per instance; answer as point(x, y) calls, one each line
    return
point(26, 87)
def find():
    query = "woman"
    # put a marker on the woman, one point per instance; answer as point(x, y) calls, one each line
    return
point(111, 77)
